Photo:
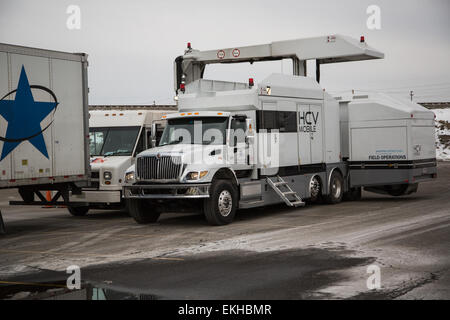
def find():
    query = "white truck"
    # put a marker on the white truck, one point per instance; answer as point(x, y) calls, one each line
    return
point(241, 145)
point(116, 136)
point(43, 122)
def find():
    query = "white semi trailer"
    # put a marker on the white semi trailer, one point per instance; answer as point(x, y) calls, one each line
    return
point(116, 136)
point(43, 122)
point(328, 147)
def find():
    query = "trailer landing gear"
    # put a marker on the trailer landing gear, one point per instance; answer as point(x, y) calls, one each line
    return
point(2, 225)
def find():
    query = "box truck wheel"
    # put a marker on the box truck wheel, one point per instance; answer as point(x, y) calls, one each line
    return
point(220, 207)
point(78, 211)
point(142, 211)
point(335, 189)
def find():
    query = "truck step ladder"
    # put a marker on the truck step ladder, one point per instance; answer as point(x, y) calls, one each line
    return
point(290, 197)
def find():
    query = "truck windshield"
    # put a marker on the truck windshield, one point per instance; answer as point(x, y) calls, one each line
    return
point(181, 131)
point(113, 141)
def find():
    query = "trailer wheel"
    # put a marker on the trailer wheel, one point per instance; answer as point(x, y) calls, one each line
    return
point(336, 188)
point(353, 194)
point(78, 211)
point(220, 207)
point(27, 195)
point(142, 212)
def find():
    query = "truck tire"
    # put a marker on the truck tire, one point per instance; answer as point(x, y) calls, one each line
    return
point(142, 212)
point(27, 195)
point(78, 211)
point(315, 190)
point(353, 194)
point(220, 208)
point(335, 189)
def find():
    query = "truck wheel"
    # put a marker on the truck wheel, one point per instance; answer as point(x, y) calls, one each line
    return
point(142, 212)
point(354, 194)
point(27, 195)
point(221, 206)
point(336, 188)
point(315, 189)
point(78, 211)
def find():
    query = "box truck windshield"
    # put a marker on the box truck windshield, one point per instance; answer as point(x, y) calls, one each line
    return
point(113, 141)
point(181, 131)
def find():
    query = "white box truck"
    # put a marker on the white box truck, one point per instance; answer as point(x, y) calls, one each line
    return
point(44, 137)
point(241, 145)
point(116, 136)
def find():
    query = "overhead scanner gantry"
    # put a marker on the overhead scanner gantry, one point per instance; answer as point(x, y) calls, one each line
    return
point(324, 49)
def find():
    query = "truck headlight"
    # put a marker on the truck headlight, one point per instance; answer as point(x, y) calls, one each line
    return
point(129, 177)
point(107, 175)
point(196, 175)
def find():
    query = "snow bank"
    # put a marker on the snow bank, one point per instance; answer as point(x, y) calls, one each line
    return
point(442, 134)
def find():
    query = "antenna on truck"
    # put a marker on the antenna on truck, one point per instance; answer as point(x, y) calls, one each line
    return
point(324, 49)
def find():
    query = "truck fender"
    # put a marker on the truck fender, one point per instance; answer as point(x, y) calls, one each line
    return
point(226, 173)
point(329, 178)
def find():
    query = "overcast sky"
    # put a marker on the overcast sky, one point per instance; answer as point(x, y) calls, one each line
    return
point(132, 44)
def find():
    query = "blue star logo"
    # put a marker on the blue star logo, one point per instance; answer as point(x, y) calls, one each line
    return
point(24, 117)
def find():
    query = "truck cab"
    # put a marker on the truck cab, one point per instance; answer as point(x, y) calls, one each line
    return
point(115, 138)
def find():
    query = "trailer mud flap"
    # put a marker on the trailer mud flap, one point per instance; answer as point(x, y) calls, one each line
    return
point(2, 225)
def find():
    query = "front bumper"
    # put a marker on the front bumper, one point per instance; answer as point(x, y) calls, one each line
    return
point(167, 191)
point(97, 196)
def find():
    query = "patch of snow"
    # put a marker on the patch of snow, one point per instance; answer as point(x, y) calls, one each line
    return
point(442, 134)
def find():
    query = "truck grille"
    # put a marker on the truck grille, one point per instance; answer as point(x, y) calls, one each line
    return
point(158, 168)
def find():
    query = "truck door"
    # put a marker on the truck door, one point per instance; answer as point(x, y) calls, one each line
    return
point(304, 134)
point(239, 152)
point(268, 159)
point(315, 119)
